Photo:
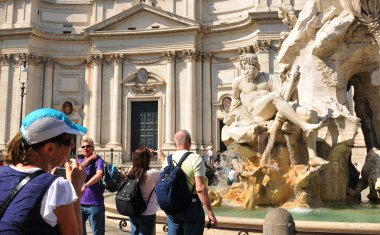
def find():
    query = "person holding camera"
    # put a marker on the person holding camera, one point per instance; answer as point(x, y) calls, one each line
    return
point(46, 204)
point(92, 201)
point(144, 224)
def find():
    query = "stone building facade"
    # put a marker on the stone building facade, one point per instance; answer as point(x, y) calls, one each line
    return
point(133, 72)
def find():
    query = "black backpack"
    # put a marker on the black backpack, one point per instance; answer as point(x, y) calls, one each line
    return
point(129, 199)
point(112, 178)
point(173, 194)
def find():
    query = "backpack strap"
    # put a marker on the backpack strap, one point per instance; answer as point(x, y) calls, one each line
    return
point(150, 195)
point(169, 159)
point(183, 158)
point(17, 189)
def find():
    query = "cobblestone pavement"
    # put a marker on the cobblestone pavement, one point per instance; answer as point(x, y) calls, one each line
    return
point(112, 228)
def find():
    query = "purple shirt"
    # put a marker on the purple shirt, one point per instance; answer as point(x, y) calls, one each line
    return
point(92, 195)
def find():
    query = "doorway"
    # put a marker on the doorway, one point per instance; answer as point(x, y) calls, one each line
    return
point(222, 146)
point(144, 124)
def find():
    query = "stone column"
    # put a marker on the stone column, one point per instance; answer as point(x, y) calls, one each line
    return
point(189, 57)
point(48, 83)
point(115, 135)
point(95, 105)
point(206, 105)
point(199, 100)
point(33, 96)
point(170, 99)
point(5, 63)
point(86, 96)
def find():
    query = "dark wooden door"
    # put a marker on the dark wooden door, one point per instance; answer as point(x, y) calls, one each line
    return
point(144, 125)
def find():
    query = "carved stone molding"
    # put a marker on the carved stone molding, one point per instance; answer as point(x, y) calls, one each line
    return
point(20, 58)
point(49, 62)
point(36, 60)
point(262, 45)
point(189, 55)
point(206, 56)
point(117, 58)
point(144, 62)
point(169, 55)
point(247, 49)
point(5, 59)
point(95, 59)
point(143, 83)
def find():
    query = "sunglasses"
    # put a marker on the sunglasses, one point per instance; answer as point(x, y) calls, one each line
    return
point(86, 146)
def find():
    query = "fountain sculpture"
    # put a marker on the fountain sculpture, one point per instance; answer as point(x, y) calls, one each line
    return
point(294, 132)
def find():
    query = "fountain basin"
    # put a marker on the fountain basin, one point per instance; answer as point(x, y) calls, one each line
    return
point(250, 222)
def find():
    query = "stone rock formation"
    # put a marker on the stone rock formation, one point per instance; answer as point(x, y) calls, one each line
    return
point(294, 133)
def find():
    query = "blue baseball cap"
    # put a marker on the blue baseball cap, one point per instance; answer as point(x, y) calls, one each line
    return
point(46, 123)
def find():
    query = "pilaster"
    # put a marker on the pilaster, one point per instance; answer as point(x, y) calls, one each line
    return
point(115, 135)
point(189, 58)
point(206, 104)
point(48, 82)
point(86, 96)
point(5, 63)
point(170, 56)
point(95, 106)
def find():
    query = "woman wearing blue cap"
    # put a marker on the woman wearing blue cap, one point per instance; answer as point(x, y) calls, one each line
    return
point(33, 201)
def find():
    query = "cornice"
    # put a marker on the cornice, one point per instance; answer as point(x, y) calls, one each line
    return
point(115, 33)
point(15, 32)
point(252, 18)
point(137, 8)
point(57, 37)
point(68, 2)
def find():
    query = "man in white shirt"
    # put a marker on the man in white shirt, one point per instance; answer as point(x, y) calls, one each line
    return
point(210, 154)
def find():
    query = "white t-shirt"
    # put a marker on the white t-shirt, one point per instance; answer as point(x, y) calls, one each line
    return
point(152, 176)
point(210, 153)
point(232, 175)
point(61, 192)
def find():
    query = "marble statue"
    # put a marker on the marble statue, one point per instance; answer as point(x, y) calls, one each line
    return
point(370, 175)
point(332, 47)
point(258, 97)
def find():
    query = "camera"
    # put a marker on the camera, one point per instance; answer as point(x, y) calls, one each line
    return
point(60, 171)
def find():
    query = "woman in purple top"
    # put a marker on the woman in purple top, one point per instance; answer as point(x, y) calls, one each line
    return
point(92, 201)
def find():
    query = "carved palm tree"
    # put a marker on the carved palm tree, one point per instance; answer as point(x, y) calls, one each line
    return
point(367, 12)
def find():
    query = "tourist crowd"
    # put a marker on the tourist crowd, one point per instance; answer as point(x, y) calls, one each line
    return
point(45, 192)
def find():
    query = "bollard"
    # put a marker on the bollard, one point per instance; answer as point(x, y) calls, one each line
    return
point(278, 221)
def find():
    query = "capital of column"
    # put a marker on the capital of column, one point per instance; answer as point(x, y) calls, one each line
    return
point(262, 45)
point(206, 56)
point(95, 59)
point(49, 62)
point(247, 49)
point(117, 59)
point(169, 55)
point(5, 59)
point(189, 55)
point(24, 57)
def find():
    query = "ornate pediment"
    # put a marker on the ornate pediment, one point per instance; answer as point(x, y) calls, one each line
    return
point(142, 18)
point(143, 82)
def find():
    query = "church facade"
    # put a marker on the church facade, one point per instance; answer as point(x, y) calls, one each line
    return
point(133, 72)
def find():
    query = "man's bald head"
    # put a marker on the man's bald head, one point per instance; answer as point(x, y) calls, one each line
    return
point(182, 140)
